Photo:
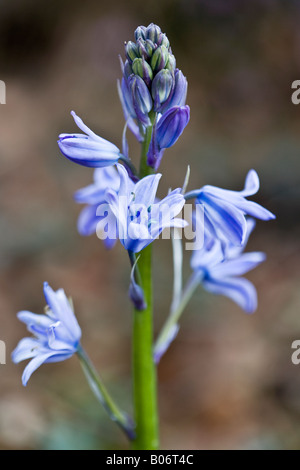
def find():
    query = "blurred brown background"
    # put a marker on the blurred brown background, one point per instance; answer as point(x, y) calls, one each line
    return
point(228, 381)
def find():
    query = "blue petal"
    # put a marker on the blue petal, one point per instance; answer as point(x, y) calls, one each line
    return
point(30, 318)
point(251, 184)
point(34, 364)
point(87, 152)
point(240, 290)
point(88, 220)
point(229, 220)
point(238, 266)
point(162, 347)
point(145, 190)
point(26, 349)
point(210, 255)
point(61, 308)
point(253, 209)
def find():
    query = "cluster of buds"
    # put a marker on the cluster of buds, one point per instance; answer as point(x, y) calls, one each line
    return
point(152, 85)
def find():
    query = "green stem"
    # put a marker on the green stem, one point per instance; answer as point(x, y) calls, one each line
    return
point(97, 386)
point(144, 369)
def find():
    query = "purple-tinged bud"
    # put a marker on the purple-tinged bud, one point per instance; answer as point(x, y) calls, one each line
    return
point(127, 70)
point(159, 58)
point(163, 41)
point(140, 32)
point(141, 98)
point(145, 48)
point(136, 295)
point(153, 33)
point(161, 88)
point(171, 64)
point(166, 132)
point(171, 125)
point(142, 68)
point(178, 95)
point(127, 97)
point(131, 51)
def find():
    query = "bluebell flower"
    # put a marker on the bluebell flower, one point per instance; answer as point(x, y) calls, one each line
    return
point(140, 217)
point(88, 149)
point(166, 131)
point(225, 211)
point(219, 269)
point(57, 333)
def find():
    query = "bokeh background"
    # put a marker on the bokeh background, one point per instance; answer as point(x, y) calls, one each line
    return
point(227, 382)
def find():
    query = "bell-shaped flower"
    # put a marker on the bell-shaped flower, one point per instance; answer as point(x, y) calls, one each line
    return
point(140, 217)
point(219, 269)
point(57, 333)
point(88, 149)
point(225, 211)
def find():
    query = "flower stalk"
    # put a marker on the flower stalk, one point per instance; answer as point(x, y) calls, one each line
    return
point(101, 393)
point(144, 370)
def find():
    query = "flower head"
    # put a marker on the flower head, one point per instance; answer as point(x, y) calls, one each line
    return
point(225, 211)
point(57, 333)
point(88, 149)
point(140, 217)
point(151, 82)
point(220, 269)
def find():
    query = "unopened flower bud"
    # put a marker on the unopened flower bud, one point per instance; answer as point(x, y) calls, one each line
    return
point(161, 87)
point(127, 70)
point(142, 101)
point(131, 51)
point(142, 68)
point(145, 48)
point(178, 95)
point(153, 32)
point(171, 125)
point(159, 58)
point(163, 41)
point(166, 132)
point(140, 32)
point(171, 64)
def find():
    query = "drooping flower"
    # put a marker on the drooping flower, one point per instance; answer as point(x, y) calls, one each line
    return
point(166, 131)
point(219, 269)
point(225, 211)
point(88, 149)
point(57, 333)
point(140, 218)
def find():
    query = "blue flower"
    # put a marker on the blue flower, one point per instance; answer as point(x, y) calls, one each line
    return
point(88, 149)
point(57, 333)
point(140, 217)
point(219, 269)
point(166, 131)
point(225, 210)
